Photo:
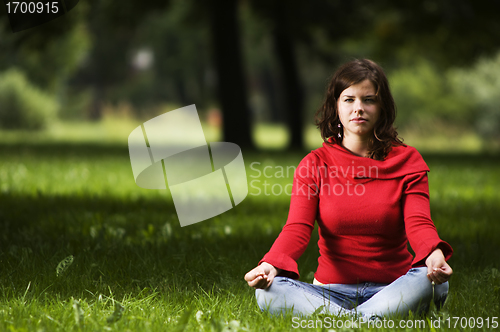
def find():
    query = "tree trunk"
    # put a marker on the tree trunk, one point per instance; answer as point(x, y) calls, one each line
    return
point(272, 95)
point(293, 95)
point(231, 83)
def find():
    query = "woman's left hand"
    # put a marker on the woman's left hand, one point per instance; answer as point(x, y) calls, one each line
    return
point(438, 270)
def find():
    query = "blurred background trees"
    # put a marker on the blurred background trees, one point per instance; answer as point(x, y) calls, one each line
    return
point(249, 62)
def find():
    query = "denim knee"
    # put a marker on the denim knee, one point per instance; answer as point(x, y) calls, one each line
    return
point(418, 271)
point(260, 296)
point(441, 294)
point(265, 296)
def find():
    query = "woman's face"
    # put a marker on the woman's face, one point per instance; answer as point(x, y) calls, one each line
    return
point(358, 110)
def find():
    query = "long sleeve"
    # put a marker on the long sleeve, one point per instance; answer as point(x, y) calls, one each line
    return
point(420, 229)
point(295, 235)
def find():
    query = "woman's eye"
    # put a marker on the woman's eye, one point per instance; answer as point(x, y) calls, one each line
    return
point(370, 100)
point(348, 100)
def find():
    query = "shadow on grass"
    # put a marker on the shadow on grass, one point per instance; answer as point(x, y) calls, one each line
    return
point(127, 245)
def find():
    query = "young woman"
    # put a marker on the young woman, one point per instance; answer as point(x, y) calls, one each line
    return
point(369, 194)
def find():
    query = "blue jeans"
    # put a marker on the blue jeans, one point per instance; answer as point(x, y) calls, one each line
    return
point(410, 292)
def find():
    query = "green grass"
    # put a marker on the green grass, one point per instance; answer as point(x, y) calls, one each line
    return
point(114, 130)
point(136, 269)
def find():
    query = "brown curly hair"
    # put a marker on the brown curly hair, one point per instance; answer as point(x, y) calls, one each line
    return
point(327, 119)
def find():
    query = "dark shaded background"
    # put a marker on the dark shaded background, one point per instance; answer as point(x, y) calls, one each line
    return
point(249, 62)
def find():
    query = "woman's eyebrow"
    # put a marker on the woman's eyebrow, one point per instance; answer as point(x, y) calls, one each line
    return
point(367, 96)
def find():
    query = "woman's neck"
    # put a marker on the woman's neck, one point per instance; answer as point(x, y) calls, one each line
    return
point(359, 146)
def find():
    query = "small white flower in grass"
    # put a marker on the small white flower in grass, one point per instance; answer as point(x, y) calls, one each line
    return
point(117, 232)
point(227, 230)
point(77, 309)
point(63, 265)
point(233, 325)
point(166, 230)
point(199, 315)
point(93, 232)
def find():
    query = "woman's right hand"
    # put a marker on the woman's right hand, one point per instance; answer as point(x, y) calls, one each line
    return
point(262, 276)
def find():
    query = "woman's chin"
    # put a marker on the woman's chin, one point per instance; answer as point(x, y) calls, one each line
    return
point(361, 134)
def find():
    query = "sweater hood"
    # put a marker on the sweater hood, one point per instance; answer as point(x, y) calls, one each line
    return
point(402, 160)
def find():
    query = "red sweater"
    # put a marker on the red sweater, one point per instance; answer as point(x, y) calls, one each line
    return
point(367, 210)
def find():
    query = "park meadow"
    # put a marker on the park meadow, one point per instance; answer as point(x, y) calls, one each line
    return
point(83, 248)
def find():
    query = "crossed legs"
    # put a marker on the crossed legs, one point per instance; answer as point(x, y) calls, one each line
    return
point(411, 292)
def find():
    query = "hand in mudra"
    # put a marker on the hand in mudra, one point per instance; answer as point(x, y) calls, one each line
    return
point(262, 276)
point(438, 271)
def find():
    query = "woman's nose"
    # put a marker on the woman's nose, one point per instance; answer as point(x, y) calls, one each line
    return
point(358, 107)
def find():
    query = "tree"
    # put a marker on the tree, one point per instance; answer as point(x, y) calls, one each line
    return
point(290, 78)
point(112, 25)
point(180, 70)
point(449, 33)
point(297, 24)
point(49, 53)
point(232, 93)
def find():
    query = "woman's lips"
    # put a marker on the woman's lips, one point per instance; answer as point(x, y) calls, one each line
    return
point(359, 120)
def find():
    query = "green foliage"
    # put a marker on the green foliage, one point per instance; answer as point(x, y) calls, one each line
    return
point(178, 74)
point(459, 97)
point(64, 265)
point(59, 60)
point(48, 54)
point(424, 94)
point(22, 105)
point(481, 85)
point(449, 35)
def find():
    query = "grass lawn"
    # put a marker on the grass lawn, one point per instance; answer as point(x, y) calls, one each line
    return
point(133, 267)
